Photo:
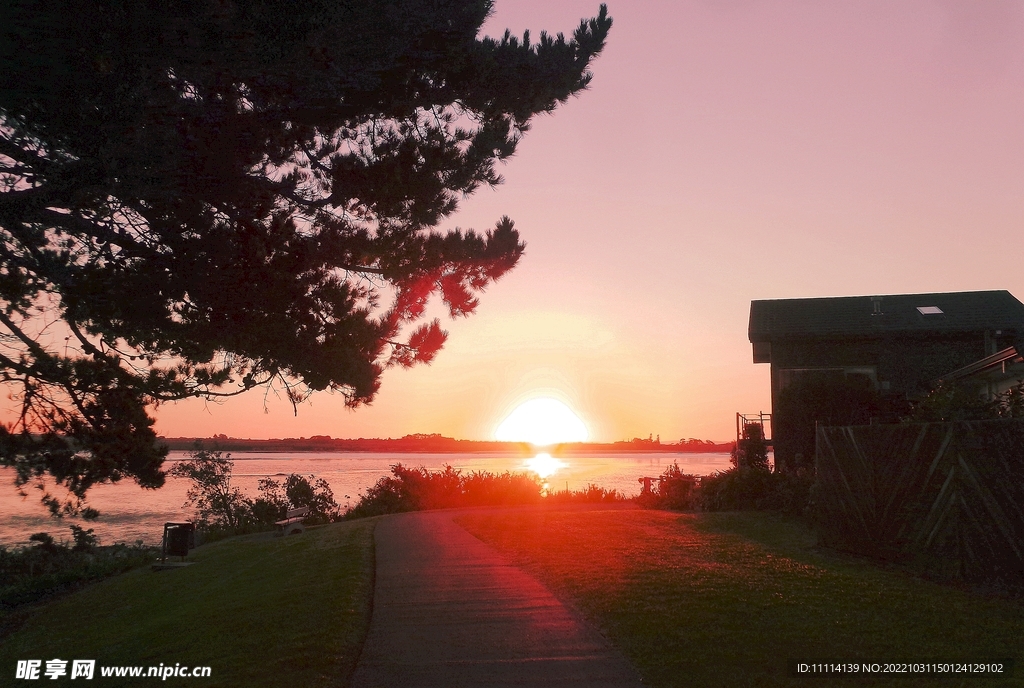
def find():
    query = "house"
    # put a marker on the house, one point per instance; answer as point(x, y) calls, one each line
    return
point(899, 345)
point(878, 352)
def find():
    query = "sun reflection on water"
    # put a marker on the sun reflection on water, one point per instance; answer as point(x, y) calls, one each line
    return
point(544, 465)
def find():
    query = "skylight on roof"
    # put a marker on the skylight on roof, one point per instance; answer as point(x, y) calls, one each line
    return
point(929, 310)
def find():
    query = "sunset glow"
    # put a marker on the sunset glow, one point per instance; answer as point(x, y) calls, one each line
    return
point(542, 422)
point(854, 148)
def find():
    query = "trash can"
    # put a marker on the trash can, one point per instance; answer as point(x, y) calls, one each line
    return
point(179, 538)
point(177, 541)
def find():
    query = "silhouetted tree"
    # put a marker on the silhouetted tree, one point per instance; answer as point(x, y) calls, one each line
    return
point(216, 501)
point(751, 451)
point(315, 494)
point(202, 197)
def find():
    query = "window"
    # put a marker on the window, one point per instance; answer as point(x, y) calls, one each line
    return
point(929, 310)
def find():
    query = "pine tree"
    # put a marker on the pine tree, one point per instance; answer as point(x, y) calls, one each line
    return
point(202, 197)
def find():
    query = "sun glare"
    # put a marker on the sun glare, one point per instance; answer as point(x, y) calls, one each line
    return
point(544, 465)
point(542, 422)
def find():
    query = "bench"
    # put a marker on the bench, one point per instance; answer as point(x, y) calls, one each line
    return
point(292, 522)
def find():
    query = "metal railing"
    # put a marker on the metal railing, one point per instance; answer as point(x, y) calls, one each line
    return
point(760, 418)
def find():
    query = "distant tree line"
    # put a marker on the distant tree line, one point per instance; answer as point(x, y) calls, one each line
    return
point(428, 443)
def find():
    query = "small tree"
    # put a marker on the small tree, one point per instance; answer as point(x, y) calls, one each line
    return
point(85, 540)
point(295, 491)
point(315, 494)
point(212, 495)
point(751, 451)
point(676, 489)
point(271, 505)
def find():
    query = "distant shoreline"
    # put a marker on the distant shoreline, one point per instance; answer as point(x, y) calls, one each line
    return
point(424, 444)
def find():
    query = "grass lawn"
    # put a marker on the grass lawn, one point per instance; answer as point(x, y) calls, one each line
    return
point(259, 610)
point(727, 599)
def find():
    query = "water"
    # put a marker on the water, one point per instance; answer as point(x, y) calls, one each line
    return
point(129, 513)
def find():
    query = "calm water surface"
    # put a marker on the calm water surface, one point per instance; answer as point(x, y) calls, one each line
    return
point(130, 513)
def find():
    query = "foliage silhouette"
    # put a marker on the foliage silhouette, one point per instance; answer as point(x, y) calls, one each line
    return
point(199, 198)
point(48, 567)
point(218, 504)
point(737, 489)
point(271, 505)
point(222, 509)
point(591, 494)
point(751, 451)
point(950, 402)
point(676, 490)
point(413, 489)
point(751, 484)
point(295, 491)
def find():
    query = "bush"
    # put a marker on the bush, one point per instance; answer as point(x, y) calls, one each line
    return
point(85, 541)
point(295, 491)
point(414, 489)
point(481, 488)
point(676, 490)
point(271, 505)
point(28, 574)
point(737, 489)
point(751, 451)
point(950, 402)
point(751, 489)
point(226, 510)
point(791, 493)
point(591, 494)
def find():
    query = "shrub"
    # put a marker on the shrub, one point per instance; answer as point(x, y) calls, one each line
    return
point(413, 489)
point(48, 567)
point(751, 451)
point(315, 494)
point(225, 510)
point(737, 489)
point(950, 402)
point(751, 489)
point(271, 505)
point(591, 494)
point(676, 490)
point(791, 493)
point(481, 488)
point(85, 541)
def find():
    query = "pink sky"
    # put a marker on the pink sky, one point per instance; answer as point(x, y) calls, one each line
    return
point(727, 150)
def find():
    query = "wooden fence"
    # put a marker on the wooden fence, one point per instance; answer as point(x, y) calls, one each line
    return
point(945, 496)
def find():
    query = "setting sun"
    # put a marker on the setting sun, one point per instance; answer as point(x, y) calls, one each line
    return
point(542, 422)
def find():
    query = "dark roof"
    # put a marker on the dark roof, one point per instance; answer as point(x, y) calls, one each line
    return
point(964, 311)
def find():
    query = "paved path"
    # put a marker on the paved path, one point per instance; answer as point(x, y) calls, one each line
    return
point(450, 611)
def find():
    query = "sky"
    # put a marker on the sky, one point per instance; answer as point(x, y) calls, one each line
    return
point(726, 151)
